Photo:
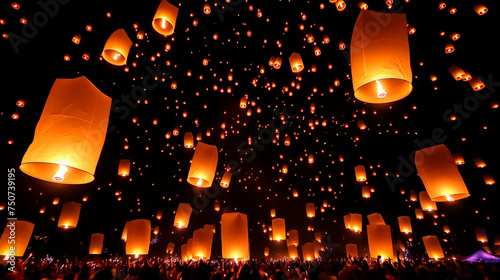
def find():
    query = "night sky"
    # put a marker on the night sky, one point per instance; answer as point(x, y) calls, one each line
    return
point(202, 102)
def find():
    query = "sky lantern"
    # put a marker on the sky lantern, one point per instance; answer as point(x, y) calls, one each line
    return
point(296, 62)
point(284, 169)
point(234, 236)
point(243, 102)
point(360, 173)
point(365, 192)
point(70, 213)
point(419, 214)
point(439, 173)
point(446, 229)
point(476, 83)
point(96, 242)
point(351, 250)
point(156, 230)
point(318, 236)
point(356, 222)
point(184, 253)
point(277, 62)
point(310, 210)
point(425, 202)
point(457, 72)
point(340, 5)
point(159, 214)
point(488, 179)
point(124, 232)
point(279, 229)
point(380, 241)
point(479, 162)
point(480, 9)
point(292, 252)
point(124, 167)
point(188, 140)
point(70, 133)
point(375, 219)
point(273, 213)
point(217, 206)
point(203, 166)
point(308, 251)
point(138, 237)
point(404, 224)
point(481, 235)
point(226, 179)
point(77, 38)
point(293, 238)
point(170, 248)
point(361, 124)
point(182, 215)
point(22, 231)
point(310, 158)
point(207, 9)
point(459, 158)
point(433, 247)
point(165, 18)
point(380, 61)
point(117, 48)
point(202, 243)
point(347, 221)
point(266, 251)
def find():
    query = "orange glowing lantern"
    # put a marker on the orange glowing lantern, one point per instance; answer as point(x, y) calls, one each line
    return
point(380, 241)
point(279, 229)
point(419, 214)
point(203, 166)
point(170, 248)
point(488, 179)
point(77, 38)
point(217, 206)
point(292, 252)
point(234, 236)
point(380, 62)
point(405, 224)
point(459, 158)
point(188, 140)
point(138, 237)
point(293, 238)
point(480, 9)
point(363, 6)
point(184, 253)
point(481, 235)
point(356, 222)
point(124, 167)
point(296, 62)
point(476, 83)
point(21, 102)
point(273, 213)
point(457, 72)
point(425, 202)
point(266, 251)
point(347, 221)
point(449, 48)
point(310, 210)
point(284, 169)
point(365, 192)
point(360, 173)
point(375, 219)
point(67, 143)
point(308, 251)
point(117, 48)
point(19, 231)
point(226, 179)
point(446, 229)
point(340, 5)
point(351, 250)
point(277, 63)
point(440, 175)
point(202, 243)
point(295, 193)
point(310, 158)
point(182, 215)
point(479, 163)
point(243, 102)
point(96, 242)
point(165, 18)
point(433, 247)
point(361, 124)
point(70, 213)
point(124, 232)
point(159, 214)
point(206, 9)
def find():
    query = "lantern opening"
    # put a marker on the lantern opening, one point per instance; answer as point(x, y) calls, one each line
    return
point(59, 176)
point(449, 198)
point(381, 93)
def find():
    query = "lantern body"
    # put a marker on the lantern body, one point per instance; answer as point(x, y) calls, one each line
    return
point(138, 237)
point(70, 133)
point(266, 251)
point(296, 63)
point(226, 179)
point(124, 167)
point(292, 252)
point(22, 232)
point(308, 251)
point(182, 215)
point(293, 238)
point(124, 232)
point(184, 253)
point(318, 236)
point(356, 222)
point(234, 236)
point(351, 250)
point(96, 242)
point(375, 219)
point(117, 47)
point(273, 213)
point(404, 224)
point(347, 221)
point(279, 229)
point(310, 211)
point(188, 140)
point(380, 61)
point(425, 202)
point(439, 173)
point(419, 214)
point(70, 213)
point(202, 170)
point(433, 247)
point(202, 243)
point(481, 235)
point(165, 18)
point(380, 241)
point(360, 173)
point(170, 248)
point(365, 192)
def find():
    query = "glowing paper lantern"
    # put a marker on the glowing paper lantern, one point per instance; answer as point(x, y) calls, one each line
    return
point(481, 235)
point(124, 167)
point(480, 9)
point(446, 229)
point(380, 61)
point(138, 237)
point(279, 229)
point(376, 219)
point(439, 173)
point(188, 140)
point(96, 242)
point(117, 48)
point(459, 158)
point(479, 162)
point(380, 241)
point(425, 202)
point(318, 236)
point(360, 173)
point(202, 243)
point(203, 166)
point(226, 179)
point(310, 210)
point(296, 63)
point(124, 232)
point(70, 213)
point(488, 179)
point(234, 236)
point(457, 72)
point(404, 224)
point(266, 251)
point(476, 83)
point(273, 213)
point(165, 18)
point(293, 238)
point(419, 214)
point(70, 133)
point(182, 215)
point(184, 253)
point(351, 250)
point(17, 230)
point(365, 192)
point(170, 248)
point(433, 247)
point(347, 221)
point(308, 251)
point(292, 252)
point(356, 222)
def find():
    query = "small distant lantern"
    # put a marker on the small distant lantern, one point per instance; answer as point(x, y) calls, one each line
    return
point(360, 173)
point(70, 213)
point(419, 214)
point(188, 140)
point(226, 179)
point(124, 167)
point(310, 210)
point(170, 248)
point(426, 203)
point(296, 63)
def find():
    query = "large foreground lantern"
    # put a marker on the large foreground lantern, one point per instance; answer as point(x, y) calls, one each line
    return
point(380, 57)
point(203, 166)
point(202, 243)
point(182, 215)
point(70, 213)
point(70, 133)
point(96, 242)
point(138, 237)
point(165, 18)
point(380, 241)
point(117, 47)
point(439, 173)
point(433, 247)
point(17, 230)
point(234, 236)
point(279, 229)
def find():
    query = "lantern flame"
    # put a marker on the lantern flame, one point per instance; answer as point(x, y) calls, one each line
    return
point(163, 23)
point(381, 93)
point(59, 176)
point(66, 226)
point(115, 57)
point(136, 256)
point(449, 198)
point(199, 182)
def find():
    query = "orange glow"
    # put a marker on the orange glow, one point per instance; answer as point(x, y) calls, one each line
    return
point(296, 63)
point(234, 236)
point(117, 48)
point(380, 241)
point(70, 213)
point(96, 242)
point(203, 166)
point(165, 18)
point(138, 237)
point(433, 247)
